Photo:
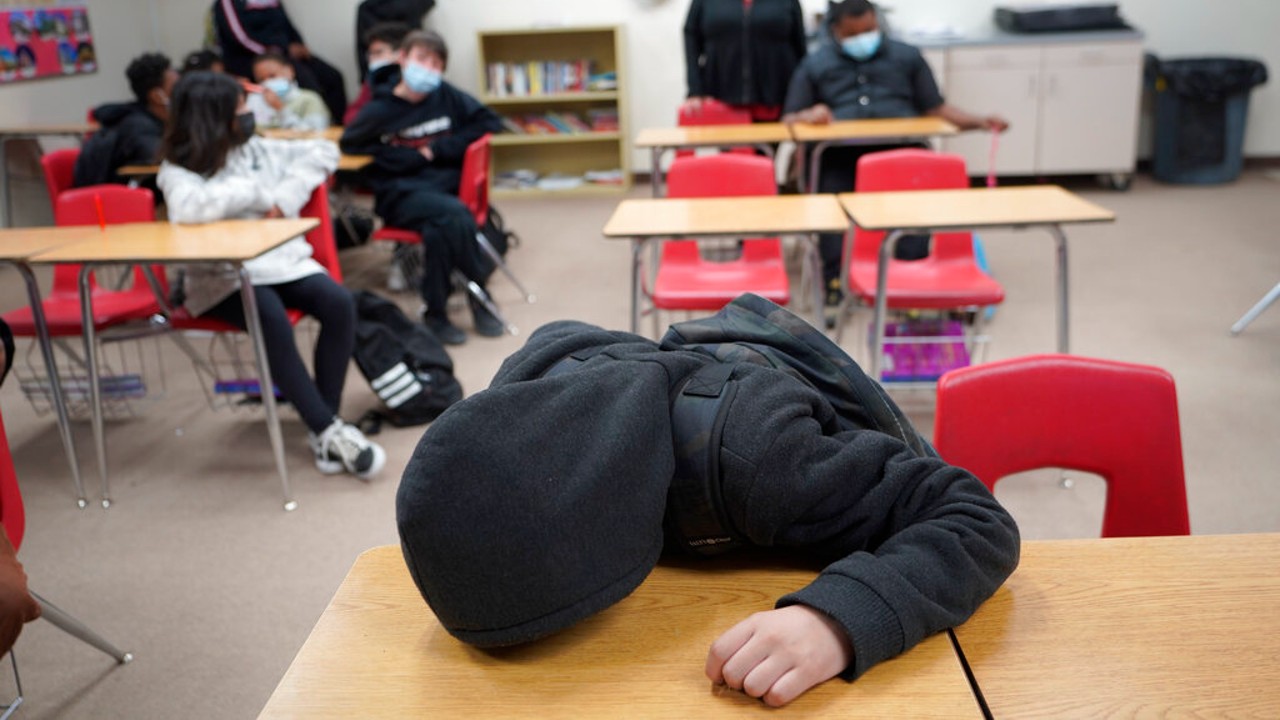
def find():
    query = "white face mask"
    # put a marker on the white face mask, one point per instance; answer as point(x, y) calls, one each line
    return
point(376, 65)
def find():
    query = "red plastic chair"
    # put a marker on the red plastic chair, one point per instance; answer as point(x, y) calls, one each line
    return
point(110, 307)
point(687, 281)
point(713, 112)
point(1117, 420)
point(59, 172)
point(14, 517)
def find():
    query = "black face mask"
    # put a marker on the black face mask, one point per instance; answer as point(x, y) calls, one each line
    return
point(247, 125)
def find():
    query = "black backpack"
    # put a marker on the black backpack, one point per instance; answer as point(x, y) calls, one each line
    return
point(407, 367)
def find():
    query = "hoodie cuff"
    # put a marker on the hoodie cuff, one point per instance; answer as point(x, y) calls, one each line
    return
point(869, 622)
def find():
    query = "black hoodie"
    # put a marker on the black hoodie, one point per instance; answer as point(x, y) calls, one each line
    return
point(130, 135)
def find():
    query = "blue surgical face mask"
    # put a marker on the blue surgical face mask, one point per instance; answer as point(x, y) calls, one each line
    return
point(420, 78)
point(862, 46)
point(282, 87)
point(376, 65)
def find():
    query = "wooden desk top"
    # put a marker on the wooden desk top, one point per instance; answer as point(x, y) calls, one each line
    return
point(80, 128)
point(22, 243)
point(970, 208)
point(1133, 627)
point(378, 652)
point(225, 241)
point(918, 127)
point(769, 215)
point(354, 162)
point(332, 134)
point(713, 135)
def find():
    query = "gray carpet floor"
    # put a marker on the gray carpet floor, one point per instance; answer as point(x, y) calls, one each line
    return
point(199, 572)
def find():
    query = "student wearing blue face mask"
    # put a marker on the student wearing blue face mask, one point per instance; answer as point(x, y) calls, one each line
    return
point(282, 104)
point(417, 131)
point(859, 73)
point(383, 42)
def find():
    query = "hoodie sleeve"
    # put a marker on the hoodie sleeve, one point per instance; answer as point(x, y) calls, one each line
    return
point(921, 544)
point(477, 120)
point(308, 164)
point(364, 136)
point(802, 93)
point(192, 198)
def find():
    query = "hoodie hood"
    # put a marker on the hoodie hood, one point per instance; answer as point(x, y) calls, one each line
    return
point(112, 114)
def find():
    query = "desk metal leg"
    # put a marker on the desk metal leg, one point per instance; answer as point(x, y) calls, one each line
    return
point(55, 384)
point(882, 301)
point(637, 247)
point(815, 168)
point(1060, 240)
point(4, 178)
point(265, 387)
point(88, 332)
point(1255, 311)
point(813, 261)
point(655, 171)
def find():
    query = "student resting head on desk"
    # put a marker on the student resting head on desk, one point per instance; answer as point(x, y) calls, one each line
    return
point(856, 74)
point(550, 496)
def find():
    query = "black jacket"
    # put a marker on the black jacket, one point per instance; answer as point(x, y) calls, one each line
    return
point(247, 32)
point(895, 82)
point(392, 130)
point(130, 135)
point(372, 12)
point(556, 484)
point(741, 57)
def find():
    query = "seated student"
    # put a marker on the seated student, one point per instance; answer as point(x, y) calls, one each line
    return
point(215, 168)
point(858, 73)
point(198, 60)
point(545, 499)
point(131, 132)
point(417, 131)
point(282, 104)
point(383, 40)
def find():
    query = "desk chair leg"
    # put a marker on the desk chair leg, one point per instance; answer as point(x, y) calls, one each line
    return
point(882, 301)
point(95, 385)
point(501, 264)
point(1256, 310)
point(55, 383)
point(16, 702)
point(655, 174)
point(79, 630)
point(482, 297)
point(1064, 325)
point(266, 387)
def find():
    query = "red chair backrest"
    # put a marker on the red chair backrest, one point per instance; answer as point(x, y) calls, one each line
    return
point(1117, 420)
point(12, 513)
point(324, 248)
point(723, 175)
point(912, 169)
point(80, 206)
point(59, 171)
point(473, 189)
point(713, 112)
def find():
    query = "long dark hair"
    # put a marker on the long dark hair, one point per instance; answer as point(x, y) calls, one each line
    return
point(202, 126)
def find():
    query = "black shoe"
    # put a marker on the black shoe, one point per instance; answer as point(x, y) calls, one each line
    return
point(445, 331)
point(486, 324)
point(834, 293)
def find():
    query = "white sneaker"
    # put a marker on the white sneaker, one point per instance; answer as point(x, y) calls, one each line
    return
point(343, 448)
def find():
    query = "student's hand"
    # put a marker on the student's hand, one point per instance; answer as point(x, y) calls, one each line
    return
point(995, 123)
point(298, 51)
point(692, 105)
point(425, 151)
point(272, 99)
point(819, 114)
point(274, 212)
point(779, 654)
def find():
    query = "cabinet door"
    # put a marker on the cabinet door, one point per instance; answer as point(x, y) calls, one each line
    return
point(1089, 111)
point(1001, 81)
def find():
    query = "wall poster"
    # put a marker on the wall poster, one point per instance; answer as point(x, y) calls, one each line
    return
point(40, 41)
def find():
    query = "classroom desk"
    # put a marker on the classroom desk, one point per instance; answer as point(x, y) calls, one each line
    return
point(228, 241)
point(659, 140)
point(378, 652)
point(1133, 627)
point(16, 248)
point(27, 132)
point(926, 211)
point(886, 131)
point(641, 220)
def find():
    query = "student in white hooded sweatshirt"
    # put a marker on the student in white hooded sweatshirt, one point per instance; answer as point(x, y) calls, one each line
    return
point(215, 168)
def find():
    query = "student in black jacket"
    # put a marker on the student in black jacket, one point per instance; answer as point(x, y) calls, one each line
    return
point(131, 132)
point(417, 131)
point(742, 52)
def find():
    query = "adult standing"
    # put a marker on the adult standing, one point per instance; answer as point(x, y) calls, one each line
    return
point(742, 53)
point(249, 28)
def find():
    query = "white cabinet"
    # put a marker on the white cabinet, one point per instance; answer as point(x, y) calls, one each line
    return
point(1072, 108)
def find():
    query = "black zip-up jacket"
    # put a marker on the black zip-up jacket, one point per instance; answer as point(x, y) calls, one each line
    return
point(130, 135)
point(895, 82)
point(250, 29)
point(392, 130)
point(743, 56)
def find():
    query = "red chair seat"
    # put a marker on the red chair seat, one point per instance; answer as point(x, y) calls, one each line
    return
point(62, 311)
point(399, 235)
point(686, 281)
point(182, 320)
point(927, 283)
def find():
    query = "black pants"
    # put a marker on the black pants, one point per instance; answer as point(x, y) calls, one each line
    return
point(448, 240)
point(838, 174)
point(328, 302)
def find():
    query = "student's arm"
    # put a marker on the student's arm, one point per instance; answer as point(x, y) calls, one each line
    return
point(308, 165)
point(693, 49)
point(191, 198)
point(478, 120)
point(803, 103)
point(364, 136)
point(929, 101)
point(969, 121)
point(231, 28)
point(311, 112)
point(294, 35)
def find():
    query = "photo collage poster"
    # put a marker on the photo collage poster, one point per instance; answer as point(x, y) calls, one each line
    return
point(42, 42)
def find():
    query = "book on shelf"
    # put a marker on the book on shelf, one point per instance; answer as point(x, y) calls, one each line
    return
point(603, 177)
point(558, 123)
point(551, 77)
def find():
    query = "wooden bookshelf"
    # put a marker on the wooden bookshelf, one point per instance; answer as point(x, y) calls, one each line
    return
point(561, 153)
